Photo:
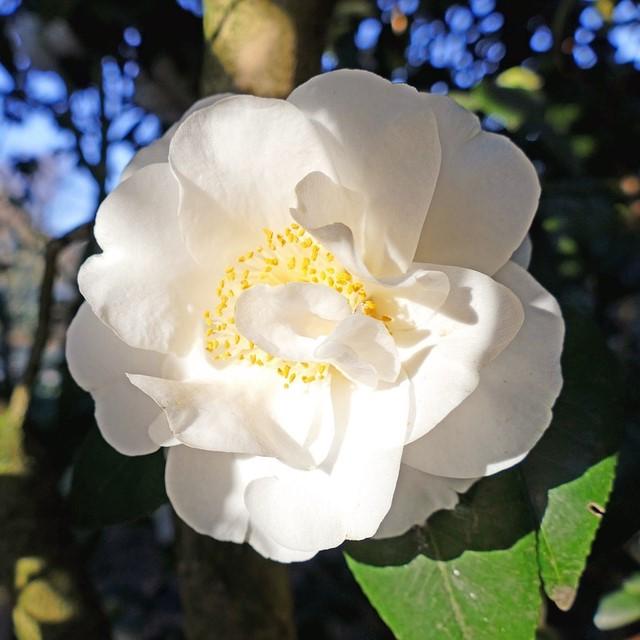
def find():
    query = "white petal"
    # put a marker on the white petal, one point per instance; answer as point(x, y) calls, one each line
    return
point(274, 551)
point(522, 255)
point(335, 216)
point(476, 322)
point(348, 496)
point(417, 496)
point(247, 410)
point(207, 490)
point(411, 301)
point(98, 360)
point(362, 348)
point(238, 163)
point(385, 146)
point(289, 320)
point(144, 285)
point(158, 150)
point(485, 198)
point(506, 415)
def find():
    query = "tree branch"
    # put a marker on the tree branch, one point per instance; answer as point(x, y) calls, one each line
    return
point(52, 250)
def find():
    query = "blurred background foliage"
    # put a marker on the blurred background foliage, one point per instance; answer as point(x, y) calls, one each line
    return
point(83, 85)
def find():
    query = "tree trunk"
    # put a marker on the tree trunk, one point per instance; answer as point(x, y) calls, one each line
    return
point(265, 48)
point(262, 47)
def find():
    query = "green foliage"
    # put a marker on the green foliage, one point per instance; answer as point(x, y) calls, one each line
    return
point(108, 487)
point(465, 572)
point(621, 607)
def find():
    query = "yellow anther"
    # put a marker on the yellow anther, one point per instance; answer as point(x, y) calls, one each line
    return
point(302, 260)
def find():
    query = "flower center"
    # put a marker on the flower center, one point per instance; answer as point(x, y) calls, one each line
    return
point(290, 256)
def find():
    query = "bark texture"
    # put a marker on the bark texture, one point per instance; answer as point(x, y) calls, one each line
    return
point(229, 591)
point(263, 47)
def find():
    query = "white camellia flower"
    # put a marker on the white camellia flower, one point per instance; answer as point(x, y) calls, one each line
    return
point(315, 305)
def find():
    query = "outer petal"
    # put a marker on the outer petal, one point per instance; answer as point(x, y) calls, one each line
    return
point(476, 322)
point(522, 255)
point(485, 198)
point(158, 151)
point(224, 197)
point(247, 410)
point(207, 491)
point(98, 360)
point(385, 146)
point(499, 423)
point(349, 495)
point(144, 285)
point(417, 496)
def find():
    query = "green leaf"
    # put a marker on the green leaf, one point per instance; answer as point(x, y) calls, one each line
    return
point(621, 607)
point(464, 574)
point(466, 571)
point(108, 487)
point(570, 473)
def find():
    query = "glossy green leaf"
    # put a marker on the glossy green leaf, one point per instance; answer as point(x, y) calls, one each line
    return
point(462, 575)
point(465, 572)
point(570, 473)
point(108, 487)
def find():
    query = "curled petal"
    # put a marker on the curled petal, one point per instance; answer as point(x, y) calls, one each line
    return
point(349, 495)
point(226, 198)
point(144, 285)
point(498, 424)
point(158, 150)
point(247, 411)
point(477, 321)
point(207, 490)
point(362, 349)
point(384, 146)
point(290, 320)
point(98, 360)
point(485, 198)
